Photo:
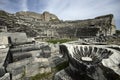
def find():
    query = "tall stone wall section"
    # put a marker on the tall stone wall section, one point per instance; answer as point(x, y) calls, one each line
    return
point(91, 27)
point(35, 24)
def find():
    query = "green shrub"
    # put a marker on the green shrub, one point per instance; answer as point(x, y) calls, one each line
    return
point(45, 76)
point(40, 76)
point(59, 40)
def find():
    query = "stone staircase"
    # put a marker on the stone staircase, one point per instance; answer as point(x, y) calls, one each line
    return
point(3, 55)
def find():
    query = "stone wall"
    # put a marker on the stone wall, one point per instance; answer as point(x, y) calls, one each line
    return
point(28, 67)
point(35, 24)
point(32, 16)
point(14, 37)
point(3, 40)
point(91, 27)
point(5, 77)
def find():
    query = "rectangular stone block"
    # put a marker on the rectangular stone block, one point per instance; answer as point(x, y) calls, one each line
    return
point(5, 77)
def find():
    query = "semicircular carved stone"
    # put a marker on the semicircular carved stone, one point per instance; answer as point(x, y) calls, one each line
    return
point(89, 55)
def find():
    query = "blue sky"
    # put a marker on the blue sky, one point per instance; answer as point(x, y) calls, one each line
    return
point(66, 9)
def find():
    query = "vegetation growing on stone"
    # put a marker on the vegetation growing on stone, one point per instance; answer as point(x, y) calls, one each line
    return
point(40, 76)
point(54, 41)
point(50, 75)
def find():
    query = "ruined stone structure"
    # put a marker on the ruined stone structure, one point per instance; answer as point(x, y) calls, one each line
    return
point(24, 58)
point(21, 58)
point(46, 16)
point(3, 28)
point(87, 28)
point(90, 62)
point(15, 37)
point(34, 24)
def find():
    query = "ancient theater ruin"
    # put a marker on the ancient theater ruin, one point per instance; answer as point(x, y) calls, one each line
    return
point(47, 25)
point(26, 52)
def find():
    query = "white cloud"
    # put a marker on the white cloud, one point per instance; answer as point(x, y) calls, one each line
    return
point(67, 9)
point(24, 5)
point(81, 9)
point(14, 6)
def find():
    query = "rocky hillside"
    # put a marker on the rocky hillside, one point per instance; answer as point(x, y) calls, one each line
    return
point(26, 21)
point(48, 25)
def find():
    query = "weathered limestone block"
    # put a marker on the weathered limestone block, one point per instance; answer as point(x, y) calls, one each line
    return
point(32, 69)
point(3, 40)
point(20, 63)
point(18, 73)
point(54, 48)
point(56, 60)
point(25, 48)
point(5, 77)
point(21, 56)
point(2, 71)
point(37, 67)
point(45, 52)
point(62, 75)
point(45, 70)
point(3, 56)
point(15, 37)
point(17, 69)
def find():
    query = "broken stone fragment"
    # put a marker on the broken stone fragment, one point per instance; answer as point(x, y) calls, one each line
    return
point(95, 61)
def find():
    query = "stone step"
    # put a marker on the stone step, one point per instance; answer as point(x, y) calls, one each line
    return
point(3, 55)
point(1, 59)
